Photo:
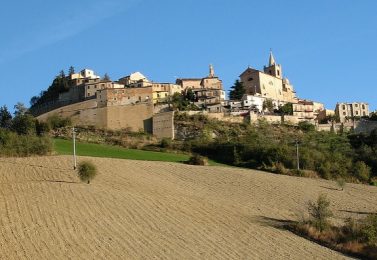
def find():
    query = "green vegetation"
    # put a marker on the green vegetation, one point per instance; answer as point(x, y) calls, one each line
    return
point(64, 147)
point(237, 90)
point(320, 213)
point(198, 160)
point(87, 171)
point(20, 136)
point(59, 85)
point(184, 102)
point(354, 237)
point(352, 157)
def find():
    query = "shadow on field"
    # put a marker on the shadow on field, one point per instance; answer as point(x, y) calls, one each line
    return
point(329, 188)
point(58, 181)
point(356, 212)
point(274, 222)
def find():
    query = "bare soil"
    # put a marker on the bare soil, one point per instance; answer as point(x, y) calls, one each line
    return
point(160, 210)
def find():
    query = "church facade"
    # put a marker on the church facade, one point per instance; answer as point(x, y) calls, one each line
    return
point(268, 84)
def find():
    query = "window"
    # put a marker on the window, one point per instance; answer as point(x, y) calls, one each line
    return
point(344, 107)
point(344, 113)
point(363, 106)
point(356, 105)
point(278, 73)
point(357, 112)
point(250, 79)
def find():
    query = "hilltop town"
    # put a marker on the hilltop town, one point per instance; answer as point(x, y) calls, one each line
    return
point(136, 103)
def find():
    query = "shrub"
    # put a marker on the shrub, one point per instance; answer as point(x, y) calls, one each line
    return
point(198, 160)
point(341, 183)
point(280, 168)
point(320, 212)
point(55, 121)
point(362, 171)
point(369, 229)
point(306, 126)
point(166, 143)
point(86, 171)
point(12, 144)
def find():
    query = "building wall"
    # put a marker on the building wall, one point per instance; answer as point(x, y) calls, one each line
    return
point(350, 110)
point(125, 96)
point(134, 117)
point(189, 83)
point(304, 110)
point(268, 86)
point(163, 125)
point(212, 83)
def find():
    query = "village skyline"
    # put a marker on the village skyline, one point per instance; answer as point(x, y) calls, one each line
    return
point(323, 52)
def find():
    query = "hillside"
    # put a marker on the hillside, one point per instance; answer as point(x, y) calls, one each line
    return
point(161, 210)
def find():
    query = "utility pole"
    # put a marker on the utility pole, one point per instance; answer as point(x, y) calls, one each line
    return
point(297, 155)
point(74, 148)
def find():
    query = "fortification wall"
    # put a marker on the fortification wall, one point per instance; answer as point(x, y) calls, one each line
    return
point(163, 125)
point(133, 117)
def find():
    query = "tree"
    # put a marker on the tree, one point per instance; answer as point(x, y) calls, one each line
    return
point(106, 77)
point(190, 95)
point(286, 109)
point(87, 171)
point(24, 124)
point(19, 109)
point(268, 105)
point(71, 70)
point(320, 212)
point(5, 117)
point(61, 74)
point(34, 100)
point(238, 90)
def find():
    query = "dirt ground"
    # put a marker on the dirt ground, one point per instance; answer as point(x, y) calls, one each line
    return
point(157, 210)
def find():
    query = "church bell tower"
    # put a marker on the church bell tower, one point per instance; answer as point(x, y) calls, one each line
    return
point(273, 69)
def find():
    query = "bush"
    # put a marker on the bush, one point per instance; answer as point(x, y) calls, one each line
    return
point(86, 171)
point(341, 183)
point(55, 121)
point(320, 212)
point(166, 143)
point(362, 171)
point(12, 144)
point(369, 229)
point(280, 168)
point(198, 160)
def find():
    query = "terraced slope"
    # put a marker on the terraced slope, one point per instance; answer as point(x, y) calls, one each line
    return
point(159, 210)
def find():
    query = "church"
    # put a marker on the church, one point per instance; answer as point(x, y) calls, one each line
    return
point(268, 84)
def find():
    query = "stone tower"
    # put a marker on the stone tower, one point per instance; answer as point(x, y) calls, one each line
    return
point(273, 69)
point(211, 71)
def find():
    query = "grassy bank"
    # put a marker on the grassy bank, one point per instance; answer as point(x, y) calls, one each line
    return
point(64, 147)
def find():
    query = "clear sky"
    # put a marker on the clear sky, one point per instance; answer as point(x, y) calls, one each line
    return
point(327, 47)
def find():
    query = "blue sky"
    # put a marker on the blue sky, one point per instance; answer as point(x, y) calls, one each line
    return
point(327, 47)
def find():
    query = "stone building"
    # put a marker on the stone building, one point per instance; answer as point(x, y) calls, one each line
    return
point(270, 83)
point(304, 110)
point(207, 90)
point(163, 91)
point(351, 110)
